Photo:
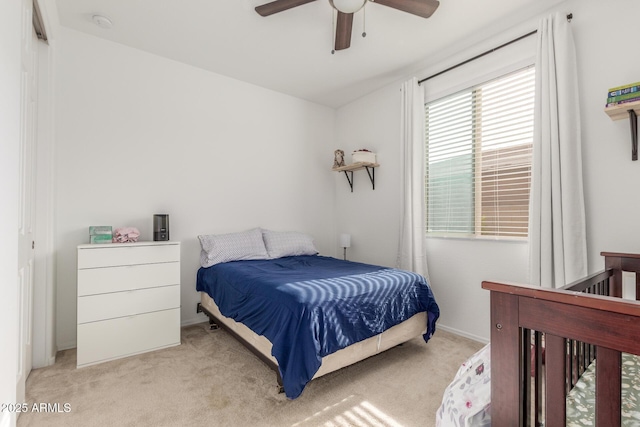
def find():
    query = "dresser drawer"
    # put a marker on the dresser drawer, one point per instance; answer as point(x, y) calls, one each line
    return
point(126, 336)
point(93, 281)
point(92, 308)
point(114, 254)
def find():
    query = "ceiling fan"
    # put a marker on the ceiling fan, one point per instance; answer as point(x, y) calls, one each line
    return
point(346, 9)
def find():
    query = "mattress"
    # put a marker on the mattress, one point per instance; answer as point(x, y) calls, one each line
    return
point(581, 399)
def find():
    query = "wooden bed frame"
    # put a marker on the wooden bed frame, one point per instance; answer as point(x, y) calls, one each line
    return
point(583, 321)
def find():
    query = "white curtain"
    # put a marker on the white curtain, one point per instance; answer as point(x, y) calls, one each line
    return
point(557, 231)
point(412, 244)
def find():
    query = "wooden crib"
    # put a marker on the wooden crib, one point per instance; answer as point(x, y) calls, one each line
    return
point(583, 321)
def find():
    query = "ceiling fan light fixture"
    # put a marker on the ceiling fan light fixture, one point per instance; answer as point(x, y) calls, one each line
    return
point(347, 6)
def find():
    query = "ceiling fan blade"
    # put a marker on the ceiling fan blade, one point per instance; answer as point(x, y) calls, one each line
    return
point(423, 8)
point(344, 26)
point(279, 6)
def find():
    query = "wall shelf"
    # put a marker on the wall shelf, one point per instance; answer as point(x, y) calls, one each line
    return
point(348, 172)
point(629, 110)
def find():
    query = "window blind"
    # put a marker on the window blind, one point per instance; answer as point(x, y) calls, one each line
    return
point(478, 158)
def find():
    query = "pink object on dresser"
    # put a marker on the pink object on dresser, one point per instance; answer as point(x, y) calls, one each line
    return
point(126, 235)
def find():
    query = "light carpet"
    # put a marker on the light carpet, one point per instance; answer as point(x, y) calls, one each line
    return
point(211, 379)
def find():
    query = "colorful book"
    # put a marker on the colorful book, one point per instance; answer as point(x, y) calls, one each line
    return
point(624, 91)
point(626, 101)
point(631, 95)
point(613, 89)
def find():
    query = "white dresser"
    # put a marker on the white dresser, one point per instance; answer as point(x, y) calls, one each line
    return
point(128, 299)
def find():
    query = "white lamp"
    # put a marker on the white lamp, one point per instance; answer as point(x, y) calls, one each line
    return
point(345, 242)
point(348, 6)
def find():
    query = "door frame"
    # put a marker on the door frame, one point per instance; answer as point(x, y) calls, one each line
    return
point(44, 319)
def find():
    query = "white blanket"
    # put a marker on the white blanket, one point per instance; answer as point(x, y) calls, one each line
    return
point(467, 400)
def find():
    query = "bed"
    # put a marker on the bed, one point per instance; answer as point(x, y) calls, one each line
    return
point(306, 315)
point(566, 356)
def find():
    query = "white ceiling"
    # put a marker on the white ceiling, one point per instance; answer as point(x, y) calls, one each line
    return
point(290, 52)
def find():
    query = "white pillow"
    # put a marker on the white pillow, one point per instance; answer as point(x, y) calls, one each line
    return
point(288, 243)
point(217, 248)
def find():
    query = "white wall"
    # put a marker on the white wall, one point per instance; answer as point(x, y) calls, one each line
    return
point(457, 267)
point(370, 216)
point(10, 53)
point(138, 134)
point(604, 32)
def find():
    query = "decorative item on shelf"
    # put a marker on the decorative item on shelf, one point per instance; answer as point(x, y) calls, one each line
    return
point(345, 242)
point(100, 234)
point(160, 227)
point(623, 102)
point(126, 235)
point(363, 156)
point(338, 158)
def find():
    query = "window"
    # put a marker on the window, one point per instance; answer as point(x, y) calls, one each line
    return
point(478, 157)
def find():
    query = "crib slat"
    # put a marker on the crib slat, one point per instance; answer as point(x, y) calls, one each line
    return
point(525, 375)
point(538, 380)
point(555, 403)
point(608, 383)
point(570, 367)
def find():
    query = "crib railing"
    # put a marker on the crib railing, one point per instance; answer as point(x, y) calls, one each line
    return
point(574, 325)
point(579, 355)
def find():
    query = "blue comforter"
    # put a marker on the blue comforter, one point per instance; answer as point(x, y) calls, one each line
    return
point(312, 306)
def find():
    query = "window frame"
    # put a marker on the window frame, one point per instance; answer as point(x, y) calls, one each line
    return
point(470, 87)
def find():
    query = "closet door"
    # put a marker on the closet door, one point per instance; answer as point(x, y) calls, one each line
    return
point(26, 207)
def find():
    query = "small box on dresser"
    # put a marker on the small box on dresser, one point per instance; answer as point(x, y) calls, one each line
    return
point(128, 299)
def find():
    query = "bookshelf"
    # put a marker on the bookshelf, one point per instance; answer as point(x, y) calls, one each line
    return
point(348, 172)
point(629, 110)
point(620, 111)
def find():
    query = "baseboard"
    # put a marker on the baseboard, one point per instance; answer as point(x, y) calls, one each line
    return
point(66, 346)
point(461, 333)
point(199, 318)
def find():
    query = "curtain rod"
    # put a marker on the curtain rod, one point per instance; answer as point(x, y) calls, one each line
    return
point(569, 18)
